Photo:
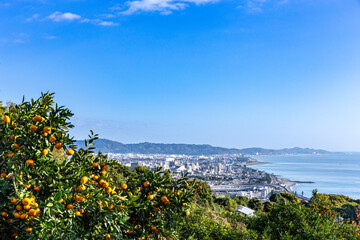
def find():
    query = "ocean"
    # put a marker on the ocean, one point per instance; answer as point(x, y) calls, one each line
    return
point(331, 174)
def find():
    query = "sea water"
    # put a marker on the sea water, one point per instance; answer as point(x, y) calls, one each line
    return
point(331, 174)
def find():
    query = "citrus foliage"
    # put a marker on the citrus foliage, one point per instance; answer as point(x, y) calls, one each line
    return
point(50, 190)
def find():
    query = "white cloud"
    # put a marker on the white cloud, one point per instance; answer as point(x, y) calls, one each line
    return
point(258, 5)
point(255, 5)
point(109, 15)
point(59, 16)
point(33, 17)
point(99, 22)
point(106, 23)
point(117, 7)
point(162, 6)
point(21, 37)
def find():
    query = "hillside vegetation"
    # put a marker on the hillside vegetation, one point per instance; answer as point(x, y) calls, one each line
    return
point(50, 189)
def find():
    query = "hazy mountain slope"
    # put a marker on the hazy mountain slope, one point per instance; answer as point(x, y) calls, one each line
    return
point(106, 145)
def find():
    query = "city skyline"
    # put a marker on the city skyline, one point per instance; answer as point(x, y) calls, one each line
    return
point(255, 73)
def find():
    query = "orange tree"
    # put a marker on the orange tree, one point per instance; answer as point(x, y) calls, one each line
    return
point(79, 196)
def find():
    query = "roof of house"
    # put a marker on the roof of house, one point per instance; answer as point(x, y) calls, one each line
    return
point(245, 210)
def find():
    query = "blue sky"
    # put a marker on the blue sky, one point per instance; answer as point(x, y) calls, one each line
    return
point(232, 73)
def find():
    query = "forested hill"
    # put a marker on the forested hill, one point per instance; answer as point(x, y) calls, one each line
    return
point(109, 146)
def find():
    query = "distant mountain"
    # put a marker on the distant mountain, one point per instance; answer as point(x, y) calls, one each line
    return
point(108, 146)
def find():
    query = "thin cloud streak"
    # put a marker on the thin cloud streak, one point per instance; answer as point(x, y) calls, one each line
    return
point(99, 22)
point(71, 17)
point(33, 17)
point(162, 6)
point(59, 16)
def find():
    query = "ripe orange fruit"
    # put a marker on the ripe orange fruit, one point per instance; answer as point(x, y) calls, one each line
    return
point(27, 207)
point(96, 177)
point(124, 186)
point(104, 167)
point(18, 207)
point(58, 146)
point(146, 184)
point(81, 211)
point(45, 152)
point(32, 212)
point(14, 201)
point(84, 179)
point(69, 152)
point(69, 206)
point(47, 129)
point(153, 228)
point(30, 162)
point(27, 185)
point(103, 173)
point(29, 229)
point(23, 216)
point(81, 188)
point(111, 207)
point(33, 128)
point(107, 236)
point(11, 154)
point(6, 119)
point(44, 134)
point(187, 213)
point(79, 198)
point(37, 188)
point(95, 164)
point(105, 185)
point(52, 139)
point(17, 146)
point(101, 181)
point(38, 118)
point(37, 211)
point(16, 215)
point(4, 214)
point(157, 209)
point(15, 234)
point(77, 213)
point(150, 197)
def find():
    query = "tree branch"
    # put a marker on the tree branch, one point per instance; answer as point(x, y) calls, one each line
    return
point(4, 161)
point(13, 181)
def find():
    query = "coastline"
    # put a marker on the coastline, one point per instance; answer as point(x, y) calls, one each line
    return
point(255, 162)
point(286, 183)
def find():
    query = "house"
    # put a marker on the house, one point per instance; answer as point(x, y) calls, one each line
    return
point(245, 211)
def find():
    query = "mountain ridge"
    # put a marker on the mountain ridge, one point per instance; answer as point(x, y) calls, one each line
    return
point(110, 146)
